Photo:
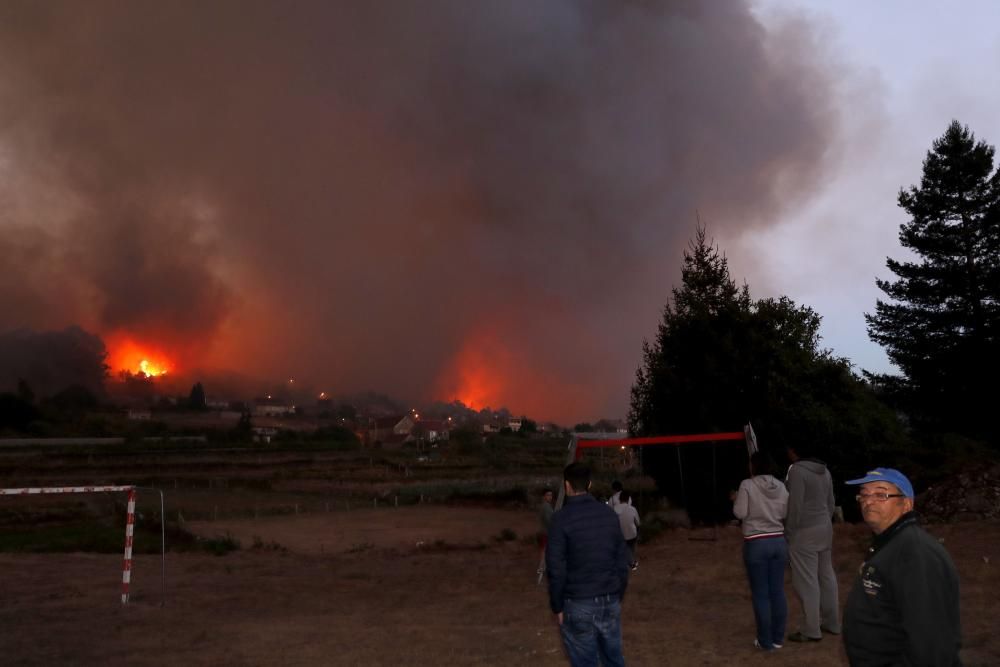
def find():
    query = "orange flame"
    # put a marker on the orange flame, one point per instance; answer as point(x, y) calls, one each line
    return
point(487, 372)
point(476, 376)
point(126, 354)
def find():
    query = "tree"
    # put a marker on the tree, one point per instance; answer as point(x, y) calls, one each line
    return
point(243, 431)
point(721, 359)
point(941, 324)
point(528, 426)
point(196, 399)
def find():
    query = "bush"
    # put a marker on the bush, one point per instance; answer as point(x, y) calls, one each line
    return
point(220, 546)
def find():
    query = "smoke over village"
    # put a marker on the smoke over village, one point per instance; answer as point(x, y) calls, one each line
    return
point(437, 201)
point(499, 332)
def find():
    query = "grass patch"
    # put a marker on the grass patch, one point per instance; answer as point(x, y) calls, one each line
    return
point(271, 545)
point(105, 538)
point(220, 546)
point(84, 536)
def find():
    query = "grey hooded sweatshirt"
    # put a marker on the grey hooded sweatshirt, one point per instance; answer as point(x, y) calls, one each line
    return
point(761, 503)
point(810, 505)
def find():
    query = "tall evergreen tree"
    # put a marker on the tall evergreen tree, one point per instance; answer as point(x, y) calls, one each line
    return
point(720, 359)
point(942, 322)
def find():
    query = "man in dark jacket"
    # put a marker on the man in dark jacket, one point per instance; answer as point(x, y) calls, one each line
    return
point(588, 565)
point(904, 606)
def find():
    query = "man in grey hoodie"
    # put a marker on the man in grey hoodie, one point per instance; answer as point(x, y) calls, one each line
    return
point(809, 528)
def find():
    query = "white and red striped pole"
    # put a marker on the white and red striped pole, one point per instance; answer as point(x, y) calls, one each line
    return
point(129, 528)
point(35, 490)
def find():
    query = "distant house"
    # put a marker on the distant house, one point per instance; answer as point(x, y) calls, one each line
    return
point(140, 414)
point(514, 423)
point(394, 440)
point(273, 410)
point(382, 428)
point(393, 432)
point(431, 430)
point(272, 407)
point(405, 425)
point(264, 433)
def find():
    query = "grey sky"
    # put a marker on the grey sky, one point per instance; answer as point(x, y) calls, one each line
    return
point(907, 68)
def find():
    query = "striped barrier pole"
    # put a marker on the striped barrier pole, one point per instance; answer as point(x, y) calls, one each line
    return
point(129, 529)
point(34, 490)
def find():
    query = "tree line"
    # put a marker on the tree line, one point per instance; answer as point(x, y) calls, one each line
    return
point(720, 358)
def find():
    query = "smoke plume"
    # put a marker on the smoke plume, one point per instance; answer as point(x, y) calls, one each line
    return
point(436, 199)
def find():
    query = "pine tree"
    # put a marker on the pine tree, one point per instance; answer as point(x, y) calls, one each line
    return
point(941, 324)
point(721, 359)
point(693, 350)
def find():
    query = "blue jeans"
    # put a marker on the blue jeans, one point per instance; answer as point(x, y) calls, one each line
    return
point(766, 559)
point(592, 630)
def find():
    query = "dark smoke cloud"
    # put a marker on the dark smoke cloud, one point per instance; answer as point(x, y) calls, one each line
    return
point(52, 361)
point(355, 193)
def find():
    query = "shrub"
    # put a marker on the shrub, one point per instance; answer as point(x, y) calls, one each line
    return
point(220, 546)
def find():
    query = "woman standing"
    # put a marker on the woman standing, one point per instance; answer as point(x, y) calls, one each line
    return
point(761, 503)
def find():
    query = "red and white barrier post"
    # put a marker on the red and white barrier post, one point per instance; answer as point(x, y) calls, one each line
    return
point(129, 529)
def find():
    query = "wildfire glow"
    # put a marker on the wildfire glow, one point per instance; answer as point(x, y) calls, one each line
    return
point(151, 369)
point(126, 354)
point(476, 376)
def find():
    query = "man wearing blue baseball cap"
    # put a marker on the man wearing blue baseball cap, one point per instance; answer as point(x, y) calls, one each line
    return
point(904, 606)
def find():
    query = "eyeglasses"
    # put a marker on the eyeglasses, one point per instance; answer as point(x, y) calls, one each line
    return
point(877, 497)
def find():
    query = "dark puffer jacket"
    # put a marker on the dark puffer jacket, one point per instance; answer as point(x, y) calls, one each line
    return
point(586, 555)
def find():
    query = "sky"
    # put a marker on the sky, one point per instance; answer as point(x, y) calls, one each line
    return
point(906, 70)
point(443, 200)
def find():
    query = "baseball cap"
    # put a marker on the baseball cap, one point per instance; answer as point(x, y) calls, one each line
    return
point(890, 475)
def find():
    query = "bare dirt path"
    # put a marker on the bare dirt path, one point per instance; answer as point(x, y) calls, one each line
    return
point(387, 528)
point(392, 603)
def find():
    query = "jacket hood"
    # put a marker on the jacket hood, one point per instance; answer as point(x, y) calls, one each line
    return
point(812, 465)
point(769, 486)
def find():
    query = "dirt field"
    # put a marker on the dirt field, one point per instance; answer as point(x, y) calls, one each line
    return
point(417, 586)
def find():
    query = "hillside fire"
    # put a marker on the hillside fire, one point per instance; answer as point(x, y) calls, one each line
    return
point(127, 355)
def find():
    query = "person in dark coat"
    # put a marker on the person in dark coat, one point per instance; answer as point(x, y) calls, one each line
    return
point(904, 606)
point(588, 567)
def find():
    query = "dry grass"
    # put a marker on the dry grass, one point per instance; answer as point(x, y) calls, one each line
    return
point(394, 603)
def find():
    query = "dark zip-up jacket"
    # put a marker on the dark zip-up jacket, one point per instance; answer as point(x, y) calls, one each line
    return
point(586, 555)
point(904, 607)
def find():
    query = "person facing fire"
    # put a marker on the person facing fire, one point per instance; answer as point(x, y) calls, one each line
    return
point(628, 517)
point(588, 568)
point(904, 606)
point(809, 528)
point(545, 511)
